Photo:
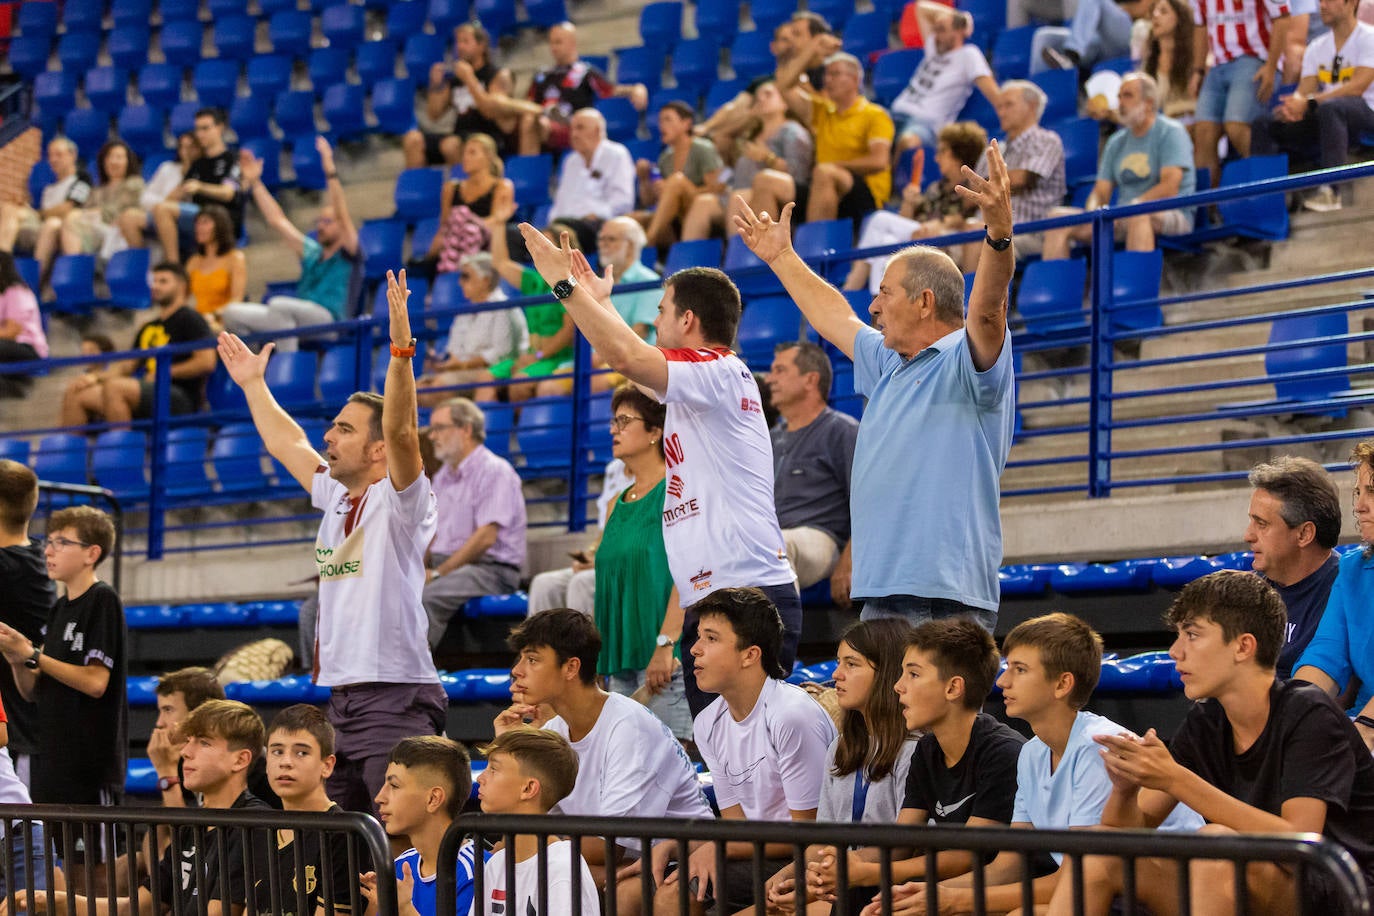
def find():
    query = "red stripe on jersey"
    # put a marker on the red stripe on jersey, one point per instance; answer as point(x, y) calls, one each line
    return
point(695, 355)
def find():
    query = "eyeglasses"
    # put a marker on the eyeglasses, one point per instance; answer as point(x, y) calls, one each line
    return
point(620, 421)
point(609, 239)
point(65, 542)
point(439, 427)
point(465, 275)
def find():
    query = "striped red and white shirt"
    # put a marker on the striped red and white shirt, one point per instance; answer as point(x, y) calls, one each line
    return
point(1238, 28)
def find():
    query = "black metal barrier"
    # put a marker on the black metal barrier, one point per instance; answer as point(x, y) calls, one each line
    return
point(1308, 854)
point(326, 847)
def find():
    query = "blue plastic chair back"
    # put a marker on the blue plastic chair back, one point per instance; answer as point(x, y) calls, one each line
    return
point(531, 176)
point(181, 42)
point(1050, 299)
point(376, 60)
point(107, 88)
point(294, 113)
point(234, 37)
point(119, 460)
point(697, 253)
point(73, 283)
point(750, 56)
point(342, 25)
point(660, 24)
point(767, 321)
point(1135, 276)
point(343, 109)
point(291, 376)
point(696, 63)
point(216, 82)
point(128, 46)
point(88, 128)
point(1258, 217)
point(418, 194)
point(719, 18)
point(126, 274)
point(622, 120)
point(270, 76)
point(381, 242)
point(1080, 138)
point(289, 31)
point(61, 458)
point(1011, 52)
point(1061, 86)
point(141, 127)
point(446, 15)
point(640, 65)
point(544, 434)
point(421, 52)
point(1315, 356)
point(893, 71)
point(867, 34)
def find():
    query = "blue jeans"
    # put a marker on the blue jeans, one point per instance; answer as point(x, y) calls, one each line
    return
point(669, 704)
point(21, 879)
point(916, 610)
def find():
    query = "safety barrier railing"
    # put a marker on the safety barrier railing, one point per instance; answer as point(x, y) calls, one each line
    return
point(773, 844)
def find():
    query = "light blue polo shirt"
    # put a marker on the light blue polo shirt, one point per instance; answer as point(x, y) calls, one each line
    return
point(927, 470)
point(640, 307)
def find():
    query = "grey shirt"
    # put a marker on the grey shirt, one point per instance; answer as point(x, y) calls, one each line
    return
point(811, 469)
point(884, 799)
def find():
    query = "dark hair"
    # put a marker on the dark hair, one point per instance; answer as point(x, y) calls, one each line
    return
point(173, 268)
point(1306, 494)
point(213, 112)
point(1181, 67)
point(810, 358)
point(196, 685)
point(235, 722)
point(374, 401)
point(102, 342)
point(1238, 602)
point(134, 162)
point(712, 297)
point(959, 19)
point(9, 272)
point(569, 633)
point(966, 141)
point(302, 717)
point(754, 619)
point(18, 494)
point(1066, 644)
point(90, 524)
point(479, 32)
point(443, 757)
point(960, 647)
point(654, 413)
point(681, 109)
point(542, 755)
point(873, 738)
point(816, 24)
point(224, 228)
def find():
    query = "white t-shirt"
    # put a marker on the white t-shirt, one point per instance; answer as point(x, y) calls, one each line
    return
point(371, 558)
point(523, 899)
point(74, 188)
point(630, 765)
point(605, 188)
point(941, 85)
point(720, 528)
point(772, 762)
point(165, 180)
point(1358, 51)
point(493, 335)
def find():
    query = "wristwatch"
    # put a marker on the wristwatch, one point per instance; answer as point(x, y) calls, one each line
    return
point(32, 661)
point(664, 641)
point(564, 288)
point(997, 244)
point(403, 352)
point(167, 782)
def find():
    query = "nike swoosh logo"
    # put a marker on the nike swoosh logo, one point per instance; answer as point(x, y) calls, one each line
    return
point(946, 810)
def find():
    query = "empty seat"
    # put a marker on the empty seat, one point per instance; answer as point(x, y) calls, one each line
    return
point(141, 127)
point(544, 434)
point(1050, 299)
point(15, 450)
point(1080, 138)
point(721, 92)
point(216, 82)
point(750, 55)
point(132, 12)
point(1317, 355)
point(127, 46)
point(328, 67)
point(61, 458)
point(418, 194)
point(182, 118)
point(289, 32)
point(181, 43)
point(343, 109)
point(867, 34)
point(237, 457)
point(719, 18)
point(407, 17)
point(37, 20)
point(622, 120)
point(305, 162)
point(187, 448)
point(696, 63)
point(178, 10)
point(82, 15)
point(381, 242)
point(270, 76)
point(77, 51)
point(699, 253)
point(393, 105)
point(766, 322)
point(291, 376)
point(835, 12)
point(1061, 86)
point(750, 274)
point(107, 88)
point(376, 61)
point(660, 24)
point(1258, 217)
point(160, 85)
point(496, 16)
point(640, 65)
point(126, 274)
point(269, 151)
point(544, 14)
point(446, 15)
point(88, 128)
point(250, 117)
point(822, 239)
point(73, 284)
point(1135, 278)
point(980, 111)
point(294, 113)
point(54, 92)
point(893, 71)
point(342, 25)
point(531, 176)
point(1011, 52)
point(119, 459)
point(421, 52)
point(338, 376)
point(234, 37)
point(769, 14)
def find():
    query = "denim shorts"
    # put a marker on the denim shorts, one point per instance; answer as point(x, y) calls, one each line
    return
point(1228, 92)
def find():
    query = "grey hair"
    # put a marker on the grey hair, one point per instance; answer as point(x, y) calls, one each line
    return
point(1305, 493)
point(1032, 94)
point(844, 57)
point(592, 114)
point(64, 142)
point(634, 234)
point(931, 269)
point(469, 415)
point(1149, 88)
point(481, 262)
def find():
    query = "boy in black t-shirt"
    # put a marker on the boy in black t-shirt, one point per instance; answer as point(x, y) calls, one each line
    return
point(211, 179)
point(29, 596)
point(1255, 755)
point(78, 674)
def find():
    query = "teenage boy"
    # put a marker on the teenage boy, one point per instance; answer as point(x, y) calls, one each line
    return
point(1254, 755)
point(767, 735)
point(556, 652)
point(428, 779)
point(29, 596)
point(177, 694)
point(300, 757)
point(529, 770)
point(78, 673)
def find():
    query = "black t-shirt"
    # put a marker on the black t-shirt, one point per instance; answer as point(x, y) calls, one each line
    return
point(83, 738)
point(982, 784)
point(1308, 749)
point(182, 326)
point(219, 170)
point(176, 870)
point(312, 854)
point(564, 90)
point(469, 119)
point(28, 599)
point(1305, 601)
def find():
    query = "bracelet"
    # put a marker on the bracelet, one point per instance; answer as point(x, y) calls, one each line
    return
point(403, 352)
point(1364, 720)
point(331, 176)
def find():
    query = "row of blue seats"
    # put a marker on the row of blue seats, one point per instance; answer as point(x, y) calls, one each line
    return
point(282, 613)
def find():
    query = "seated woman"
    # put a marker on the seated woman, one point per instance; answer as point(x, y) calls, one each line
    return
point(466, 203)
point(937, 211)
point(689, 165)
point(21, 326)
point(94, 227)
point(775, 153)
point(218, 271)
point(166, 178)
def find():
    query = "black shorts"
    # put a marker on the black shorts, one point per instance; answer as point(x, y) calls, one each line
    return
point(432, 154)
point(858, 203)
point(143, 410)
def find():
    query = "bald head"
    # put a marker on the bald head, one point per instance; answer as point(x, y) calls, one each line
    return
point(563, 44)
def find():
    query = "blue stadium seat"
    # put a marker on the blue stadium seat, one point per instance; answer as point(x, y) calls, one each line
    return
point(1050, 299)
point(127, 46)
point(219, 8)
point(544, 14)
point(407, 17)
point(699, 253)
point(769, 14)
point(640, 65)
point(721, 92)
point(719, 18)
point(294, 113)
point(446, 15)
point(1080, 138)
point(88, 128)
point(291, 376)
point(867, 34)
point(981, 112)
point(514, 606)
point(1148, 672)
point(187, 449)
point(289, 31)
point(305, 162)
point(132, 12)
point(989, 19)
point(234, 37)
point(1261, 217)
point(269, 151)
point(381, 242)
point(836, 12)
point(15, 450)
point(284, 691)
point(422, 235)
point(149, 617)
point(421, 52)
point(178, 10)
point(376, 61)
point(1024, 580)
point(119, 459)
point(1315, 356)
point(447, 293)
point(381, 361)
point(160, 85)
point(660, 24)
point(343, 109)
point(222, 394)
point(28, 57)
point(1061, 86)
point(767, 321)
point(622, 120)
point(250, 118)
point(500, 425)
point(1011, 53)
point(893, 71)
point(1129, 575)
point(126, 274)
point(270, 76)
point(750, 56)
point(419, 290)
point(393, 104)
point(73, 284)
point(107, 88)
point(759, 281)
point(54, 92)
point(328, 67)
point(77, 51)
point(29, 271)
point(182, 118)
point(342, 26)
point(479, 685)
point(597, 429)
point(544, 434)
point(497, 16)
point(141, 126)
point(337, 377)
point(142, 690)
point(1135, 276)
point(275, 613)
point(418, 194)
point(61, 458)
point(1176, 572)
point(531, 176)
point(237, 457)
point(696, 63)
point(181, 42)
point(822, 239)
point(216, 82)
point(688, 94)
point(37, 20)
point(40, 176)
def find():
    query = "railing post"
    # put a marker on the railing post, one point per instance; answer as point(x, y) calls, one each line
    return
point(1100, 376)
point(581, 409)
point(157, 483)
point(362, 356)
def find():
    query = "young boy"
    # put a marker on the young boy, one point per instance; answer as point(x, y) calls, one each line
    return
point(300, 757)
point(1255, 755)
point(78, 674)
point(530, 770)
point(177, 694)
point(763, 740)
point(428, 780)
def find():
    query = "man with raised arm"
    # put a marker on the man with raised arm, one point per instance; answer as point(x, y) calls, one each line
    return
point(719, 525)
point(379, 518)
point(941, 407)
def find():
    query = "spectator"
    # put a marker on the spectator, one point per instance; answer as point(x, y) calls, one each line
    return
point(29, 599)
point(475, 98)
point(1255, 754)
point(1333, 104)
point(1295, 521)
point(21, 326)
point(570, 85)
point(166, 179)
point(852, 176)
point(1149, 158)
point(953, 420)
point(94, 344)
point(330, 261)
point(1099, 30)
point(1244, 40)
point(177, 694)
point(379, 517)
point(596, 181)
point(936, 211)
point(33, 848)
point(93, 228)
point(479, 546)
point(40, 230)
point(476, 340)
point(211, 179)
point(944, 80)
point(218, 271)
point(466, 204)
point(688, 165)
point(813, 453)
point(125, 390)
point(1169, 58)
point(1339, 650)
point(78, 674)
point(773, 153)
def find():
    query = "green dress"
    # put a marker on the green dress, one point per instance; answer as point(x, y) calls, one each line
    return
point(632, 583)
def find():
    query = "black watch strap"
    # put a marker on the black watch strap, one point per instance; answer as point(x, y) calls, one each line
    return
point(997, 244)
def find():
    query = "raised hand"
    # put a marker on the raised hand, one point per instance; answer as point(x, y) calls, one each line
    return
point(244, 366)
point(766, 237)
point(599, 286)
point(991, 194)
point(250, 168)
point(326, 155)
point(553, 262)
point(397, 293)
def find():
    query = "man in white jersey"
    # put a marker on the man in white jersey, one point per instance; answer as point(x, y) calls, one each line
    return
point(720, 527)
point(379, 517)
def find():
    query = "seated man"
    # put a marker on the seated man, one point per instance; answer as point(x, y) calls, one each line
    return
point(1099, 30)
point(476, 340)
point(26, 229)
point(596, 181)
point(211, 179)
point(570, 85)
point(945, 79)
point(1255, 755)
point(688, 165)
point(125, 390)
point(1149, 158)
point(1034, 157)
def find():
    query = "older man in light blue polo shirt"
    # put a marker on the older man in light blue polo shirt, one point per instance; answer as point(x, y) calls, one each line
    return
point(927, 536)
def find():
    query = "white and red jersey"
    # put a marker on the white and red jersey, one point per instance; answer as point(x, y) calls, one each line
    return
point(1238, 28)
point(720, 527)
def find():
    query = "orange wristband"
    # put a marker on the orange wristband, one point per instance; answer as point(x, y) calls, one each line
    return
point(404, 352)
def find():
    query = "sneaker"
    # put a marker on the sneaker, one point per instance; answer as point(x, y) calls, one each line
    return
point(1059, 60)
point(1323, 199)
